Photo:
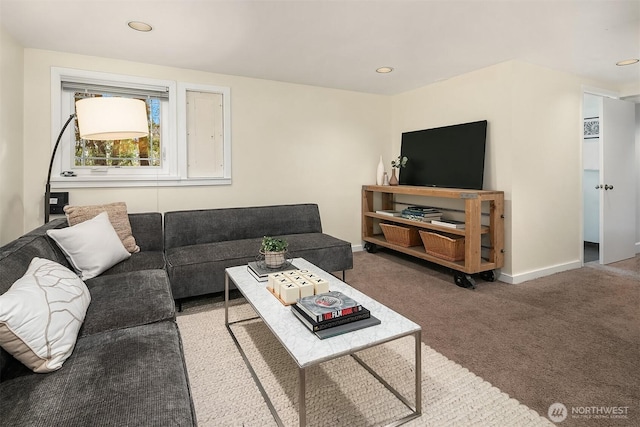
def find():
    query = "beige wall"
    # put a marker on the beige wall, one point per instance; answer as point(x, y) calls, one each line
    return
point(290, 143)
point(325, 143)
point(11, 139)
point(533, 154)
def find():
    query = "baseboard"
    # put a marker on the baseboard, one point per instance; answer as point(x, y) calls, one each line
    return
point(529, 275)
point(535, 274)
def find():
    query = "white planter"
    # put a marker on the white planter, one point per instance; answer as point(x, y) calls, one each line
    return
point(274, 259)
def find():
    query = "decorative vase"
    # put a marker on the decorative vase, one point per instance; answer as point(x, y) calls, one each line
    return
point(385, 180)
point(274, 259)
point(393, 180)
point(380, 174)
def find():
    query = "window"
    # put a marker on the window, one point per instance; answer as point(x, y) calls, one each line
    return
point(189, 133)
point(204, 130)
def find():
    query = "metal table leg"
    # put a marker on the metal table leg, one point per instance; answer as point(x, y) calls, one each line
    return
point(418, 356)
point(302, 397)
point(226, 298)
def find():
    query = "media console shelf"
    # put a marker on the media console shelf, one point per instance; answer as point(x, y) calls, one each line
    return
point(473, 231)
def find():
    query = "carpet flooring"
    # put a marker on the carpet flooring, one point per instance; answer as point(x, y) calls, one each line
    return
point(570, 338)
point(339, 392)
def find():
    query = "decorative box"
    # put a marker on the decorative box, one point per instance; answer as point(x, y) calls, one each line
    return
point(273, 278)
point(278, 284)
point(321, 286)
point(306, 287)
point(289, 292)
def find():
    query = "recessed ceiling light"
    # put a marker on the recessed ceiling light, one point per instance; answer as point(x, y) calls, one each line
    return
point(627, 62)
point(139, 26)
point(384, 70)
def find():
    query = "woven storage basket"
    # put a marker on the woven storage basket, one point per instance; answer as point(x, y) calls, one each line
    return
point(445, 246)
point(401, 236)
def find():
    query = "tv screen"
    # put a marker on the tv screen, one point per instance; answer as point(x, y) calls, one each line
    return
point(449, 156)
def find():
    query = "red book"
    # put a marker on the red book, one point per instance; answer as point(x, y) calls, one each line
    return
point(330, 305)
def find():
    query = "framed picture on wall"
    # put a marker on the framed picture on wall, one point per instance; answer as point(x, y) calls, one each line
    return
point(591, 127)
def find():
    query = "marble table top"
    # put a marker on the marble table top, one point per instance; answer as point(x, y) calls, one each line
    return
point(302, 344)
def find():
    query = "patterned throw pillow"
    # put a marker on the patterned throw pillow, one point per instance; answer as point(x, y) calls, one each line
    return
point(41, 314)
point(117, 216)
point(91, 247)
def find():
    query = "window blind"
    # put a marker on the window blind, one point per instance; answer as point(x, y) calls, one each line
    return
point(146, 91)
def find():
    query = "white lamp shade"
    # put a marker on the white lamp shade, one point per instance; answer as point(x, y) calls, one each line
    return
point(108, 118)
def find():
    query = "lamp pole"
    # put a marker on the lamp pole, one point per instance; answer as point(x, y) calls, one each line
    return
point(47, 190)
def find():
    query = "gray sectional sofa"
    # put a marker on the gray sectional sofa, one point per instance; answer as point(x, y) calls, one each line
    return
point(200, 244)
point(127, 367)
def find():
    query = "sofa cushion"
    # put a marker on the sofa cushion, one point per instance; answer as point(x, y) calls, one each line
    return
point(128, 299)
point(199, 269)
point(184, 228)
point(91, 246)
point(127, 377)
point(215, 251)
point(143, 260)
point(117, 213)
point(147, 230)
point(327, 252)
point(16, 256)
point(41, 314)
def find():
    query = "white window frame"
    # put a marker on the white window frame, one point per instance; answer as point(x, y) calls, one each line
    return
point(183, 88)
point(173, 171)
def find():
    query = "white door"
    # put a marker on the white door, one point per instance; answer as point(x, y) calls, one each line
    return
point(617, 178)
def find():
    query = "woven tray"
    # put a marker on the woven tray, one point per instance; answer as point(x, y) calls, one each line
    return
point(402, 236)
point(445, 246)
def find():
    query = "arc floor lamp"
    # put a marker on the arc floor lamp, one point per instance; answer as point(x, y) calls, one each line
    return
point(102, 118)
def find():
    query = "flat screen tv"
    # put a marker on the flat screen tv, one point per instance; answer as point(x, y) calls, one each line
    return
point(449, 156)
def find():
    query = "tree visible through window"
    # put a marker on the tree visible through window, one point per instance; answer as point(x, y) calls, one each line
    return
point(145, 151)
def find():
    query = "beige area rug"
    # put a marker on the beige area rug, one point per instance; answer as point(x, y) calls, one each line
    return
point(339, 392)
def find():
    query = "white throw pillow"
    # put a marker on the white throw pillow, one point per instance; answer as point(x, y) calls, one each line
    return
point(118, 217)
point(41, 314)
point(92, 246)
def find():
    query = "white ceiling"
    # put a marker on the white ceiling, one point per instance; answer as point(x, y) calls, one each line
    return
point(339, 44)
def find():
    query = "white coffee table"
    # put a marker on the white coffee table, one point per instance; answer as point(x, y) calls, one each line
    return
point(306, 349)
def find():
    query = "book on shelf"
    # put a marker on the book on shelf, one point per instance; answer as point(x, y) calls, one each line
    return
point(328, 306)
point(449, 223)
point(315, 326)
point(418, 213)
point(260, 272)
point(421, 210)
point(389, 212)
point(421, 218)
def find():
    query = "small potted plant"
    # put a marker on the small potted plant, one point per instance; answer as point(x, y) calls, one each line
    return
point(273, 250)
point(398, 163)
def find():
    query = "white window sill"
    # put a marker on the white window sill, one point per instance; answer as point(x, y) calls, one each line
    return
point(128, 181)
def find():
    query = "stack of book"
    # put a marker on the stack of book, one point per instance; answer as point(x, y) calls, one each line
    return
point(419, 213)
point(331, 314)
point(261, 272)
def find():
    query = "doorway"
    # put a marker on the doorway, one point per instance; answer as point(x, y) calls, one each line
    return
point(609, 184)
point(591, 111)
